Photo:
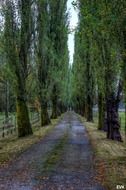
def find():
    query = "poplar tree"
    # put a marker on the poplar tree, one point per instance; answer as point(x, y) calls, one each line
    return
point(99, 33)
point(17, 31)
point(58, 27)
point(43, 57)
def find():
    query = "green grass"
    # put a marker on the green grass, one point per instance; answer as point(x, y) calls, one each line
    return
point(122, 120)
point(55, 155)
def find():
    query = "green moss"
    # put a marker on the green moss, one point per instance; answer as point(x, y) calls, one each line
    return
point(24, 126)
point(55, 155)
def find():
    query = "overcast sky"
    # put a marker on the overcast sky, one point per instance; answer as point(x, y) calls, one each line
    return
point(73, 24)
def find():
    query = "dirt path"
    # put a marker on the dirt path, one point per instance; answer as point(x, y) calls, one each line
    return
point(61, 161)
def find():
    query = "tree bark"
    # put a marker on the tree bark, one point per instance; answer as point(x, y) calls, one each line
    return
point(19, 42)
point(24, 126)
point(23, 120)
point(54, 103)
point(112, 99)
point(101, 111)
point(113, 123)
point(45, 120)
point(7, 100)
point(89, 109)
point(89, 85)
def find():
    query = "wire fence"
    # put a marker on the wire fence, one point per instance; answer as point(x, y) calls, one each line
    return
point(121, 118)
point(8, 126)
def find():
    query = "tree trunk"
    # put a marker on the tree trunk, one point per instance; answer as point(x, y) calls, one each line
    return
point(58, 111)
point(89, 109)
point(23, 120)
point(101, 111)
point(24, 126)
point(84, 109)
point(113, 123)
point(45, 120)
point(7, 100)
point(54, 103)
point(89, 85)
point(54, 110)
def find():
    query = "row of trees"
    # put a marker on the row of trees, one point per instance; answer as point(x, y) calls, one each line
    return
point(34, 55)
point(99, 69)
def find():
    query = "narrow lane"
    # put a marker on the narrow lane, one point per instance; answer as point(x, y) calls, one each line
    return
point(63, 160)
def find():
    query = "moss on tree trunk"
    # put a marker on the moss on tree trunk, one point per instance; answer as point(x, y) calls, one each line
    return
point(24, 126)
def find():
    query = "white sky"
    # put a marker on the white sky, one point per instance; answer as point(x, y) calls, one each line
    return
point(73, 23)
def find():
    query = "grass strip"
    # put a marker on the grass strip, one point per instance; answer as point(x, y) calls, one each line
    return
point(55, 154)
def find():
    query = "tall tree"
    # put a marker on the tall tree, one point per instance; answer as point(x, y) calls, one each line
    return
point(17, 43)
point(58, 27)
point(43, 58)
point(102, 63)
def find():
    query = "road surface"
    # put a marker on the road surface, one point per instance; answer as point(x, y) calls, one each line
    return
point(63, 160)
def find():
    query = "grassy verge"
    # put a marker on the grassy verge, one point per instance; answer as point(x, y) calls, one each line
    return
point(13, 146)
point(110, 158)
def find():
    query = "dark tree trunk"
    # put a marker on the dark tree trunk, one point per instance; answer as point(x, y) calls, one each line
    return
point(84, 110)
point(125, 119)
point(89, 114)
point(54, 109)
point(61, 107)
point(89, 85)
point(112, 99)
point(24, 126)
point(18, 59)
point(45, 120)
point(58, 110)
point(54, 103)
point(101, 111)
point(113, 123)
point(23, 120)
point(7, 101)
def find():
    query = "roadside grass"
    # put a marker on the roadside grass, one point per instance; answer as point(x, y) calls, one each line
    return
point(13, 146)
point(110, 157)
point(122, 120)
